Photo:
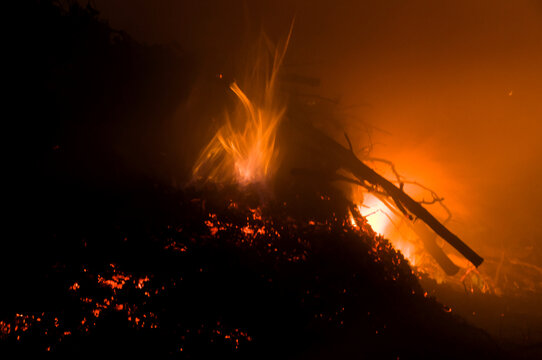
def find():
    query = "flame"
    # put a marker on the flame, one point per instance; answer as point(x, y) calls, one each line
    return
point(384, 222)
point(243, 150)
point(376, 213)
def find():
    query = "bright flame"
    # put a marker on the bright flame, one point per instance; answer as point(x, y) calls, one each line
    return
point(408, 250)
point(376, 213)
point(384, 222)
point(243, 149)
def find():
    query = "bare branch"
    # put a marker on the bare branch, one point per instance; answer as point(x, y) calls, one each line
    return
point(349, 142)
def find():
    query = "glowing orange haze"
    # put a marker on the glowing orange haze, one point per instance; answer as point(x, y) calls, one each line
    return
point(454, 85)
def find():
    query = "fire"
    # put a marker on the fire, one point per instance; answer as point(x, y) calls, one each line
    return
point(386, 223)
point(243, 150)
point(376, 213)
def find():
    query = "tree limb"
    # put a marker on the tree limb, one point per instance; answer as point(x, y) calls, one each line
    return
point(345, 159)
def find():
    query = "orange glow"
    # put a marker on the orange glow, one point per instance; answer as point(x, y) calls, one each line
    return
point(141, 282)
point(243, 149)
point(390, 225)
point(376, 213)
point(352, 221)
point(74, 287)
point(117, 282)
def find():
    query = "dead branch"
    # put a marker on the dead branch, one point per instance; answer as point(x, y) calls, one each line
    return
point(312, 174)
point(328, 148)
point(429, 242)
point(401, 181)
point(436, 198)
point(398, 177)
point(349, 142)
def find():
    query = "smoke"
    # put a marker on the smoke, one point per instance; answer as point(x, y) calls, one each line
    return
point(453, 89)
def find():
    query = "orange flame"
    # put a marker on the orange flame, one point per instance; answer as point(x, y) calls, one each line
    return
point(243, 149)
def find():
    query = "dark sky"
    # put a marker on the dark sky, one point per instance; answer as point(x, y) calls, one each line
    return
point(456, 85)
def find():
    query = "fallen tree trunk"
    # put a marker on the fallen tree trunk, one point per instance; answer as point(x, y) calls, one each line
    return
point(346, 159)
point(430, 244)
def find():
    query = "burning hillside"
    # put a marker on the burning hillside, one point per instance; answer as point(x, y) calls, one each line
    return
point(233, 277)
point(286, 239)
point(244, 151)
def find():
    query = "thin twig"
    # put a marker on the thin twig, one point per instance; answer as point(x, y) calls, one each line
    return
point(349, 142)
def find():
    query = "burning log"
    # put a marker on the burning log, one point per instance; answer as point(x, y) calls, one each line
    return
point(345, 159)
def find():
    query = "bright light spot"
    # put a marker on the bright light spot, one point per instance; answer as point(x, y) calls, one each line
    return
point(376, 213)
point(353, 221)
point(384, 222)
